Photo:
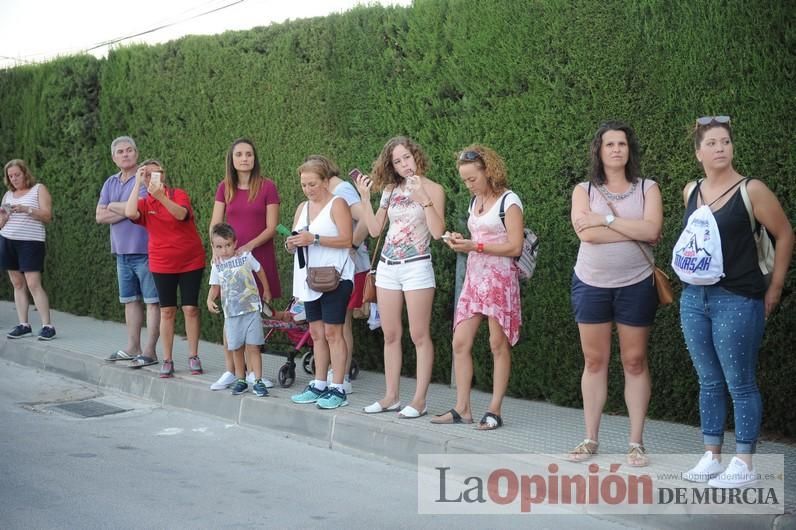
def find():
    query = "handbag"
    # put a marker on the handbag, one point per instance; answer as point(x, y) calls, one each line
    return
point(321, 279)
point(369, 290)
point(660, 279)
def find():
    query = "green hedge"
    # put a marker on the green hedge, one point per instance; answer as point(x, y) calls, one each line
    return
point(531, 79)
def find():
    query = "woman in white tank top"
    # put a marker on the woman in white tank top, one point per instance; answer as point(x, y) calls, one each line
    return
point(26, 208)
point(322, 237)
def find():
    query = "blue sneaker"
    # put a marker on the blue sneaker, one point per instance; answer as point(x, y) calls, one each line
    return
point(333, 399)
point(239, 387)
point(20, 330)
point(47, 333)
point(259, 388)
point(310, 395)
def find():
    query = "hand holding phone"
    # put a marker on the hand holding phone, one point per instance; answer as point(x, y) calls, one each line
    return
point(154, 178)
point(354, 174)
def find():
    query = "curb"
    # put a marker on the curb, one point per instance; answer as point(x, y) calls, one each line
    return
point(341, 430)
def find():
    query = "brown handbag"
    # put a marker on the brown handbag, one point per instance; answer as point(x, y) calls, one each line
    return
point(369, 291)
point(321, 279)
point(659, 278)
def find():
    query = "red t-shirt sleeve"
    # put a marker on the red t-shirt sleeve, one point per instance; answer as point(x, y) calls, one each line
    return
point(181, 198)
point(142, 208)
point(220, 192)
point(271, 194)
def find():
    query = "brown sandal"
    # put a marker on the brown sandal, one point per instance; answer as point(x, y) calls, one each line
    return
point(584, 450)
point(637, 455)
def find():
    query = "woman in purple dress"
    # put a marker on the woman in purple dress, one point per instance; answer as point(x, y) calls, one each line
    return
point(249, 202)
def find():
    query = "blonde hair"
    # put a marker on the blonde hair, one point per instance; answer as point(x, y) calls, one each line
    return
point(489, 162)
point(30, 180)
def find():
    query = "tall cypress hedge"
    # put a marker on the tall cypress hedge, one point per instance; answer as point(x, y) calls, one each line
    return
point(531, 79)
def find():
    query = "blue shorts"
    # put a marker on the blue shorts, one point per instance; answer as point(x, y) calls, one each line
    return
point(22, 256)
point(135, 280)
point(632, 305)
point(331, 306)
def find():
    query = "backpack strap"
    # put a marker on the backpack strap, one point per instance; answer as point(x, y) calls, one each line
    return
point(748, 203)
point(502, 213)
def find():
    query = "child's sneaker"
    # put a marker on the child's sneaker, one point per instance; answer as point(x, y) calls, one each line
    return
point(251, 379)
point(706, 469)
point(737, 475)
point(259, 388)
point(19, 331)
point(332, 399)
point(310, 395)
point(167, 369)
point(195, 365)
point(47, 333)
point(239, 387)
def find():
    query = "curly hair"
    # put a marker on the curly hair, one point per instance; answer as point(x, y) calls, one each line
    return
point(231, 175)
point(633, 167)
point(30, 180)
point(489, 162)
point(383, 173)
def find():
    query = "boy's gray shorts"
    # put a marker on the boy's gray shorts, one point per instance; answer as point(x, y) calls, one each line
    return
point(244, 329)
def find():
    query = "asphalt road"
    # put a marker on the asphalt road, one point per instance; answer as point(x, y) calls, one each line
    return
point(151, 467)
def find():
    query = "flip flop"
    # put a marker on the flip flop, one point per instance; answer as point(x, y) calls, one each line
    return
point(411, 413)
point(455, 418)
point(490, 422)
point(119, 355)
point(376, 408)
point(142, 360)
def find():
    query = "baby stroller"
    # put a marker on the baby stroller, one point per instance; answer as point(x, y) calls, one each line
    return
point(292, 324)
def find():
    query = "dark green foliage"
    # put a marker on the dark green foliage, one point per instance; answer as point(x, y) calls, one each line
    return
point(531, 79)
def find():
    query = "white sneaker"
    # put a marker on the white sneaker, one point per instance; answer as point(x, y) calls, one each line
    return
point(226, 379)
point(737, 475)
point(251, 378)
point(706, 469)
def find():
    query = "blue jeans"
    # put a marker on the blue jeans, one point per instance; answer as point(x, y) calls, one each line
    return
point(723, 332)
point(135, 280)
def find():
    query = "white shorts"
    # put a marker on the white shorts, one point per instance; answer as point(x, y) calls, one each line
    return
point(406, 276)
point(244, 329)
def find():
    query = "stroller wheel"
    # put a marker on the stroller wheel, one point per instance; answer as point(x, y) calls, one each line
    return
point(286, 376)
point(353, 372)
point(308, 362)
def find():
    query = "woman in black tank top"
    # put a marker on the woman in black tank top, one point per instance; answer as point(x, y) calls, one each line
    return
point(723, 323)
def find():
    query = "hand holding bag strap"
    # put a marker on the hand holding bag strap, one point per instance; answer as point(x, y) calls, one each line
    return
point(381, 231)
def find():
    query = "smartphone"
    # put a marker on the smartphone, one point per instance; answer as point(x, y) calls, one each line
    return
point(154, 177)
point(445, 237)
point(355, 174)
point(282, 230)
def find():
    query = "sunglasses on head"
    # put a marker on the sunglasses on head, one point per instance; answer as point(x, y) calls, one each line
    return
point(707, 120)
point(469, 156)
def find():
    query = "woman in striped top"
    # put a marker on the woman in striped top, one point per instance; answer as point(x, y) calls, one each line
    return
point(26, 207)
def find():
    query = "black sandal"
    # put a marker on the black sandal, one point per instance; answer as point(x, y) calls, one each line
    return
point(490, 422)
point(455, 418)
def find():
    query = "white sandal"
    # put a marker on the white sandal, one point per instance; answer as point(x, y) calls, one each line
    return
point(584, 451)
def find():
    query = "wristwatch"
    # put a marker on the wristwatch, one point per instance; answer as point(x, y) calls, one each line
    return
point(609, 219)
point(317, 240)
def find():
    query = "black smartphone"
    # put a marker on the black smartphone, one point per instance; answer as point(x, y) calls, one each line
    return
point(354, 174)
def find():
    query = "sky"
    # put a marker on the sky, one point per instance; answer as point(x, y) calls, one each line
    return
point(37, 30)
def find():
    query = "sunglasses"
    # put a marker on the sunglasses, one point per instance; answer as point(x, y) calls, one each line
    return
point(707, 120)
point(469, 156)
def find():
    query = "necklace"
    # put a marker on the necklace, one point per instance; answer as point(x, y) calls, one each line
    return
point(481, 208)
point(617, 196)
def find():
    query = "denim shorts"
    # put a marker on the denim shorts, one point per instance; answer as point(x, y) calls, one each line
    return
point(331, 306)
point(20, 255)
point(135, 280)
point(632, 305)
point(243, 330)
point(406, 276)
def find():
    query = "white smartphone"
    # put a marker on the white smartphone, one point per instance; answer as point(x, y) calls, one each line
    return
point(445, 237)
point(154, 177)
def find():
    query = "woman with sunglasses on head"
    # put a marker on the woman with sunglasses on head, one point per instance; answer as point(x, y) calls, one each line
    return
point(249, 202)
point(723, 323)
point(415, 208)
point(613, 280)
point(491, 288)
point(176, 258)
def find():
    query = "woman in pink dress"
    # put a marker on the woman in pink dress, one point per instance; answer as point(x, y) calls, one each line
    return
point(491, 289)
point(249, 202)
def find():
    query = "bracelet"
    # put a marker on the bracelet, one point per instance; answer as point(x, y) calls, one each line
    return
point(479, 247)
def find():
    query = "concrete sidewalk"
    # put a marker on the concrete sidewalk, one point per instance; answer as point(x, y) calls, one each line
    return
point(82, 344)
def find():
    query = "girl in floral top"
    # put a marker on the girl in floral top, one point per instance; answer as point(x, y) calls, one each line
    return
point(415, 207)
point(491, 287)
